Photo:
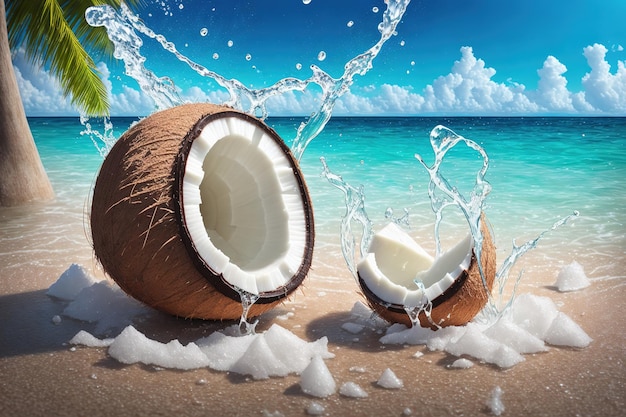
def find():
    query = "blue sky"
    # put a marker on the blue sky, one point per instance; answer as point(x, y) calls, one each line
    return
point(452, 57)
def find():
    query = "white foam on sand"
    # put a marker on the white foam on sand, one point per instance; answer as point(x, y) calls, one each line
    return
point(532, 322)
point(71, 283)
point(315, 409)
point(389, 380)
point(106, 305)
point(572, 277)
point(316, 379)
point(462, 363)
point(352, 389)
point(276, 352)
point(132, 346)
point(87, 339)
point(495, 402)
point(353, 328)
point(95, 301)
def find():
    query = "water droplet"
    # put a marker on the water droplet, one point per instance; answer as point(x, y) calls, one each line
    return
point(230, 44)
point(401, 43)
point(298, 66)
point(412, 63)
point(248, 57)
point(350, 24)
point(216, 55)
point(306, 1)
point(247, 300)
point(375, 9)
point(321, 56)
point(204, 31)
point(181, 6)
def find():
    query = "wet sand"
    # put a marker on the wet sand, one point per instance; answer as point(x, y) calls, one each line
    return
point(42, 375)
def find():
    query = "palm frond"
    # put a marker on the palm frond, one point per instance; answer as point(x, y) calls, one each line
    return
point(55, 33)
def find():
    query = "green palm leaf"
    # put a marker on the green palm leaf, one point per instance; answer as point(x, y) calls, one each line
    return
point(55, 33)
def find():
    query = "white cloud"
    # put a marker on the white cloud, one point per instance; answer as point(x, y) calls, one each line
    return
point(397, 100)
point(350, 103)
point(552, 93)
point(129, 102)
point(293, 103)
point(603, 90)
point(469, 89)
point(40, 91)
point(198, 95)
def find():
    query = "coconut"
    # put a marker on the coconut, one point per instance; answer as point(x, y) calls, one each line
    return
point(198, 204)
point(398, 274)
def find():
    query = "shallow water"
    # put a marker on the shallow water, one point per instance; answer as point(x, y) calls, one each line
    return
point(540, 170)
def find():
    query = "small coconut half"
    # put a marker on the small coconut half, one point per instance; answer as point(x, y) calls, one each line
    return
point(198, 204)
point(398, 274)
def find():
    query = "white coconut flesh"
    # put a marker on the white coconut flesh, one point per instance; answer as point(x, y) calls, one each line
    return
point(243, 206)
point(395, 264)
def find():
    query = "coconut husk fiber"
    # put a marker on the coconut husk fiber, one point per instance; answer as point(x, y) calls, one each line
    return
point(460, 303)
point(135, 229)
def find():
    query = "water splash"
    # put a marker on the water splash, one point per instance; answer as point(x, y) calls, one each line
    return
point(102, 141)
point(400, 221)
point(442, 195)
point(497, 307)
point(354, 199)
point(122, 27)
point(247, 301)
point(424, 307)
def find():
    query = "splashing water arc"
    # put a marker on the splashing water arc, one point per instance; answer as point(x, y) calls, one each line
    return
point(442, 195)
point(123, 28)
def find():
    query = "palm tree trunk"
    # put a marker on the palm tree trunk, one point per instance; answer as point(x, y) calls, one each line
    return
point(22, 176)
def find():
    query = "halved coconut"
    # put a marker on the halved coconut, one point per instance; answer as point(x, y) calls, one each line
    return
point(197, 203)
point(397, 274)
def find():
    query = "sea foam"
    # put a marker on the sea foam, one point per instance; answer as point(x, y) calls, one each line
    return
point(532, 322)
point(572, 277)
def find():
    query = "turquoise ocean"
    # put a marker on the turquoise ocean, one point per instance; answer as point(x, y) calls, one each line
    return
point(541, 169)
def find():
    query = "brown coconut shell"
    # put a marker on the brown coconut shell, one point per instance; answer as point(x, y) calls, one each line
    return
point(137, 232)
point(459, 304)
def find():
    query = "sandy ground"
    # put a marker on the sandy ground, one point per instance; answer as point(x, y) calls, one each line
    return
point(41, 375)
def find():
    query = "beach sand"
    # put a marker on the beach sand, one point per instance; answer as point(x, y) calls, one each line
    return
point(42, 375)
